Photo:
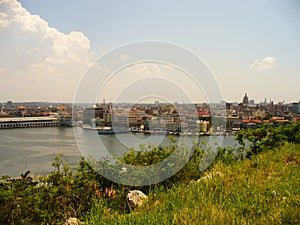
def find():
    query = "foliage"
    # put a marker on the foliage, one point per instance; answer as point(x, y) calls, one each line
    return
point(147, 155)
point(177, 155)
point(269, 136)
point(52, 200)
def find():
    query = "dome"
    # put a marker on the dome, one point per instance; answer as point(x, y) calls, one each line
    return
point(61, 107)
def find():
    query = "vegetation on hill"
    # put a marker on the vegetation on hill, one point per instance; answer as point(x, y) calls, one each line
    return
point(263, 190)
point(256, 185)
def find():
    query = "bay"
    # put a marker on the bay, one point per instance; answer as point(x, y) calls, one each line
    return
point(34, 149)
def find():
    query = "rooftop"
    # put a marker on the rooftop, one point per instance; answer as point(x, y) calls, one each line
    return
point(26, 119)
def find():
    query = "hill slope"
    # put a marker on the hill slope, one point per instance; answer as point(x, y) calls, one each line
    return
point(261, 190)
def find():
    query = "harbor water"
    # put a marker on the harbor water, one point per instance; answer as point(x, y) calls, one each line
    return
point(34, 149)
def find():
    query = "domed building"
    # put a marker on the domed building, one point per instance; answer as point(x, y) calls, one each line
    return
point(245, 100)
point(62, 108)
point(21, 111)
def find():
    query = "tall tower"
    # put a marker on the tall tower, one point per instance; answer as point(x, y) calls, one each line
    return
point(245, 99)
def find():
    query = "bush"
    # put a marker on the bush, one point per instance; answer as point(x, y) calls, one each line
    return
point(269, 136)
point(55, 198)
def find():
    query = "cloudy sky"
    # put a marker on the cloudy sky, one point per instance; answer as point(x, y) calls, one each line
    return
point(47, 47)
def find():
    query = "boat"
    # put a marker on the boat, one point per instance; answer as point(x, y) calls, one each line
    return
point(110, 130)
point(106, 130)
point(134, 129)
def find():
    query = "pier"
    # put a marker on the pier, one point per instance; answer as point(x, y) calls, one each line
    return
point(22, 122)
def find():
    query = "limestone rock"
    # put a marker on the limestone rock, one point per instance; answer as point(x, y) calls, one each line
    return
point(136, 198)
point(73, 221)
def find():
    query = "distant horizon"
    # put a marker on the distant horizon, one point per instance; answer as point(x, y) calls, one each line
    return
point(128, 102)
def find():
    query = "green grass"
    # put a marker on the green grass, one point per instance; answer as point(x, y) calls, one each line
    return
point(262, 190)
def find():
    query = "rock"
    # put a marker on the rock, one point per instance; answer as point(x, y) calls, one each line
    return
point(136, 199)
point(73, 221)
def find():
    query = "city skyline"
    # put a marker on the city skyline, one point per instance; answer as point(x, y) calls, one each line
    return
point(151, 101)
point(250, 47)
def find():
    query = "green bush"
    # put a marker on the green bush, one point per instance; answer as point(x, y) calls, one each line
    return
point(269, 136)
point(55, 198)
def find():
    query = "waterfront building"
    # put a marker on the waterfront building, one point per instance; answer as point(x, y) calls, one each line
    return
point(233, 122)
point(202, 126)
point(22, 122)
point(91, 113)
point(107, 118)
point(64, 117)
point(120, 120)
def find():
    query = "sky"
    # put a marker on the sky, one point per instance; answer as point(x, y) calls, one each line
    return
point(49, 47)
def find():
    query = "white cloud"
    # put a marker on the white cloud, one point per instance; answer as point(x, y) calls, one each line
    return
point(267, 63)
point(144, 69)
point(38, 58)
point(4, 22)
point(124, 57)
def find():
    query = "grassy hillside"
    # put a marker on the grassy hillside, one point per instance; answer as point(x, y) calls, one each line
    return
point(262, 190)
point(258, 184)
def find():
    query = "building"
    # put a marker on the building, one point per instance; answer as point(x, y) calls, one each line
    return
point(202, 126)
point(22, 122)
point(296, 107)
point(120, 120)
point(9, 104)
point(107, 118)
point(91, 113)
point(21, 111)
point(102, 113)
point(64, 117)
point(245, 100)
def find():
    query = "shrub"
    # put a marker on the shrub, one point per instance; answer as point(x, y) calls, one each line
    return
point(55, 198)
point(269, 136)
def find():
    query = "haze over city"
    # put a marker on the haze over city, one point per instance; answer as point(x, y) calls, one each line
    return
point(249, 46)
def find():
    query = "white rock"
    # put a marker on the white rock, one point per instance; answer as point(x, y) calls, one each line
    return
point(136, 198)
point(73, 221)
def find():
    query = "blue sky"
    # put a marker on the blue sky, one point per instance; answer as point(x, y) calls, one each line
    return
point(250, 46)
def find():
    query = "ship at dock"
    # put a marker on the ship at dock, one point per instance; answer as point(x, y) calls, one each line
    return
point(102, 130)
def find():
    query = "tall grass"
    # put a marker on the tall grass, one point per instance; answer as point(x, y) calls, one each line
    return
point(261, 190)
